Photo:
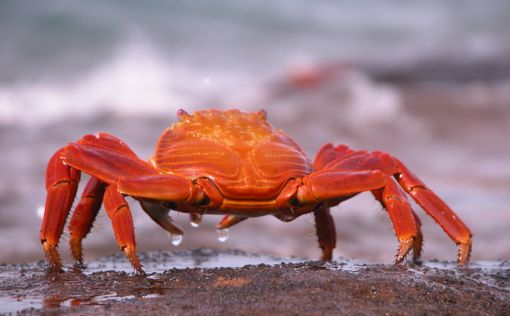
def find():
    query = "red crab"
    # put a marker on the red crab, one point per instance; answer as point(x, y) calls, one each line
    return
point(236, 164)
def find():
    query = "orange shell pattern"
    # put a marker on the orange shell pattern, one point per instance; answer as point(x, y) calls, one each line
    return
point(240, 152)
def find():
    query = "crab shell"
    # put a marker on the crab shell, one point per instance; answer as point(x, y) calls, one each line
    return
point(245, 160)
point(232, 163)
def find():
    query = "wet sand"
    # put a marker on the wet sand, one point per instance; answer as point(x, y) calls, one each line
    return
point(200, 282)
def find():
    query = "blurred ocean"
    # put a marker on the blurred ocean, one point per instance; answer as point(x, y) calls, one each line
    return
point(427, 81)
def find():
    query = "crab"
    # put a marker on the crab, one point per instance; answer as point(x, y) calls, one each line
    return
point(234, 164)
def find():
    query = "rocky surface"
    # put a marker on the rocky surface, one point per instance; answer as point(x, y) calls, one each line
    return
point(212, 282)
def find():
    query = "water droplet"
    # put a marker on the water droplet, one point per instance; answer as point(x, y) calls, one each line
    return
point(195, 219)
point(176, 239)
point(222, 234)
point(40, 211)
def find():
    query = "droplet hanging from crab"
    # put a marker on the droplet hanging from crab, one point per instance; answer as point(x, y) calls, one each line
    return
point(176, 239)
point(222, 234)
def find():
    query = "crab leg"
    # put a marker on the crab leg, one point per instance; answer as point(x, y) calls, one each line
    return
point(229, 221)
point(108, 142)
point(61, 185)
point(342, 158)
point(122, 222)
point(103, 164)
point(326, 233)
point(328, 153)
point(195, 219)
point(418, 240)
point(159, 214)
point(402, 217)
point(84, 215)
point(438, 210)
point(161, 187)
point(331, 184)
point(105, 158)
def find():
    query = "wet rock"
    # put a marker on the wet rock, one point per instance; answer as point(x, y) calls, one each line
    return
point(226, 282)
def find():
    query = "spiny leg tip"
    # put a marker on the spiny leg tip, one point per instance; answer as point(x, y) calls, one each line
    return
point(130, 253)
point(55, 267)
point(53, 256)
point(139, 271)
point(76, 250)
point(464, 254)
point(417, 259)
point(327, 254)
point(417, 249)
point(403, 249)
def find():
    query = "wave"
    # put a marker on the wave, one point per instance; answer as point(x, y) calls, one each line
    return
point(135, 81)
point(138, 81)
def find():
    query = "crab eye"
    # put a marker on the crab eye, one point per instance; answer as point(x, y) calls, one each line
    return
point(183, 115)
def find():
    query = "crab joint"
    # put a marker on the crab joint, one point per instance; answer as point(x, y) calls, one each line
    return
point(210, 195)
